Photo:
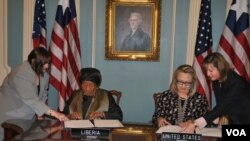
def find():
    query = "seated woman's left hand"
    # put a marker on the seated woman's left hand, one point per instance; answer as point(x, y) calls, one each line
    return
point(94, 115)
point(74, 116)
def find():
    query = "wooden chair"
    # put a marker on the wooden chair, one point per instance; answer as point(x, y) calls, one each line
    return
point(117, 95)
point(156, 96)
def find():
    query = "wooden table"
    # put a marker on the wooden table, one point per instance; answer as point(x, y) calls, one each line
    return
point(52, 130)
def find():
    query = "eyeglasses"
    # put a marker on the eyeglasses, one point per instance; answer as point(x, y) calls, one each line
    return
point(185, 83)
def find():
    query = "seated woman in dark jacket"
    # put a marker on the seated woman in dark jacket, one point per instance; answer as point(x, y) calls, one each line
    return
point(92, 102)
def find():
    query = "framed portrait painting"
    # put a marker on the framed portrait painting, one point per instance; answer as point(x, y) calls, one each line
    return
point(132, 30)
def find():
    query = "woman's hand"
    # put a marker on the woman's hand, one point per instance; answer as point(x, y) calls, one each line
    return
point(184, 124)
point(94, 115)
point(74, 116)
point(188, 127)
point(60, 116)
point(57, 115)
point(40, 117)
point(162, 122)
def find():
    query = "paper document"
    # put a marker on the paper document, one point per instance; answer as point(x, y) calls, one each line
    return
point(209, 132)
point(107, 123)
point(169, 128)
point(78, 124)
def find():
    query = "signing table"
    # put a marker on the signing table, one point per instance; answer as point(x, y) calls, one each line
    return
point(52, 130)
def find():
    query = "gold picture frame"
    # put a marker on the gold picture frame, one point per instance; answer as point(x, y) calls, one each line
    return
point(123, 43)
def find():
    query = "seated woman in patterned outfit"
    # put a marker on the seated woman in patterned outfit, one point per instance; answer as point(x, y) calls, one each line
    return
point(181, 103)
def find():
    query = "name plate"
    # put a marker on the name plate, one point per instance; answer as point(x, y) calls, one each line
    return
point(168, 136)
point(90, 132)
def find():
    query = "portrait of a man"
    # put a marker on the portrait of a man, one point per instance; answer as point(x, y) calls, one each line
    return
point(133, 32)
point(137, 39)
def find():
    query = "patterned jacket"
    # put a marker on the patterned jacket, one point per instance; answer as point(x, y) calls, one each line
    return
point(167, 107)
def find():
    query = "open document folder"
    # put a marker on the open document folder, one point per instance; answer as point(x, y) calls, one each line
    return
point(208, 132)
point(96, 123)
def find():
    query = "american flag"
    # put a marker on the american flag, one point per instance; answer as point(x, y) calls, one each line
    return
point(65, 50)
point(234, 41)
point(39, 26)
point(203, 47)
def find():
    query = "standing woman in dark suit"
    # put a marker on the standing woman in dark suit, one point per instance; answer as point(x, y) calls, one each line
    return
point(24, 90)
point(232, 94)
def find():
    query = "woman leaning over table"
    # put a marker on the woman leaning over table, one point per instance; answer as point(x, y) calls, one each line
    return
point(24, 90)
point(232, 94)
point(181, 103)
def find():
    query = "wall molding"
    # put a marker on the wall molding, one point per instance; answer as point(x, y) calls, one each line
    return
point(28, 12)
point(4, 67)
point(94, 34)
point(172, 48)
point(77, 4)
point(194, 11)
point(229, 2)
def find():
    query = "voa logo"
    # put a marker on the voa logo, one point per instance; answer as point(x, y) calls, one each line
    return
point(236, 132)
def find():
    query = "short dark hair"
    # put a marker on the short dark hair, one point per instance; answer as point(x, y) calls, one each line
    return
point(90, 74)
point(37, 58)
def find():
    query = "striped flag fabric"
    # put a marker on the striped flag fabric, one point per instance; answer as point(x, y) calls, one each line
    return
point(65, 50)
point(234, 41)
point(39, 25)
point(203, 47)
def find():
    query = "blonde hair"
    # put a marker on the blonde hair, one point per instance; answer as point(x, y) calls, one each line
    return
point(185, 69)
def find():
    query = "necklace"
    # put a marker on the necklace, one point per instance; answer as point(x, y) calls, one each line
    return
point(181, 110)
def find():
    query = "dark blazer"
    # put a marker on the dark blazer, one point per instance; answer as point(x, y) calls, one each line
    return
point(139, 41)
point(232, 99)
